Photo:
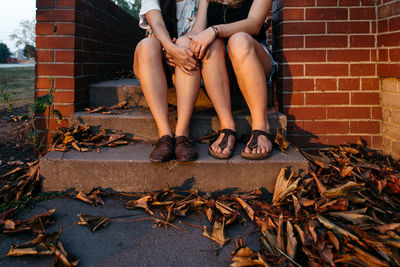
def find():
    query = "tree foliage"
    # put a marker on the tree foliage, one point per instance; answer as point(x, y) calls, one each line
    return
point(25, 33)
point(29, 51)
point(4, 52)
point(130, 6)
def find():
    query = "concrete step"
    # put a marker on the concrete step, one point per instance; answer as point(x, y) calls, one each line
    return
point(112, 92)
point(128, 169)
point(140, 123)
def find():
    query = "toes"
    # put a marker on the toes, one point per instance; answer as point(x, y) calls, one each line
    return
point(269, 147)
point(263, 150)
point(213, 147)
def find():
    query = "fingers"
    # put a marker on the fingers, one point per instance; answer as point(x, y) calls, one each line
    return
point(202, 52)
point(172, 64)
point(191, 63)
point(195, 47)
point(198, 51)
point(189, 52)
point(186, 71)
point(170, 60)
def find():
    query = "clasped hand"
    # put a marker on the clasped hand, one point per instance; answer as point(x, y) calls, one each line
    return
point(182, 57)
point(187, 58)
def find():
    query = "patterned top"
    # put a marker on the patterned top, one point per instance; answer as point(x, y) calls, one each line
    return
point(185, 14)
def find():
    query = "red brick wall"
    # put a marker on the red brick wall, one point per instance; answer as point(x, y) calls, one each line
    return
point(80, 42)
point(328, 84)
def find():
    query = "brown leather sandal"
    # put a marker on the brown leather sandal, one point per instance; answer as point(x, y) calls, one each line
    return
point(253, 144)
point(223, 144)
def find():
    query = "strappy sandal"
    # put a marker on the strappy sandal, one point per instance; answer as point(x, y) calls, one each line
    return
point(253, 144)
point(223, 144)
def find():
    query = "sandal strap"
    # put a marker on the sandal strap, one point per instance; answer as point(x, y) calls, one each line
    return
point(254, 138)
point(224, 142)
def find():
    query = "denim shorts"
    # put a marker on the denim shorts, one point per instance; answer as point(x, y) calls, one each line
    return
point(264, 44)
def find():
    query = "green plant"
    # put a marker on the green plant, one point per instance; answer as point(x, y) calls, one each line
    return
point(41, 105)
point(5, 98)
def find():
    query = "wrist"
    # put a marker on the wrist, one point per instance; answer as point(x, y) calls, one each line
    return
point(215, 30)
point(169, 47)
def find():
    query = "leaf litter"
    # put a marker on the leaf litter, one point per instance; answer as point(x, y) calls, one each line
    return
point(109, 110)
point(334, 214)
point(46, 244)
point(86, 139)
point(344, 211)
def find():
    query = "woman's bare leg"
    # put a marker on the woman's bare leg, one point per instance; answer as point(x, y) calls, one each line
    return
point(216, 80)
point(251, 65)
point(187, 88)
point(149, 69)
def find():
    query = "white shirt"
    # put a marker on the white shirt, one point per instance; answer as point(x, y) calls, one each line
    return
point(146, 6)
point(185, 14)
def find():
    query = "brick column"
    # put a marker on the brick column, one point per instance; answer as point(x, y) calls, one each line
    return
point(80, 42)
point(328, 80)
point(389, 71)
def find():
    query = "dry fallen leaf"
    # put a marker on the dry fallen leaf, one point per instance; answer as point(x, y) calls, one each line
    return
point(218, 233)
point(291, 241)
point(140, 203)
point(341, 191)
point(245, 257)
point(328, 224)
point(246, 207)
point(93, 222)
point(281, 140)
point(92, 198)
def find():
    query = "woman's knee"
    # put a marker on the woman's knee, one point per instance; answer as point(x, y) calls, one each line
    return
point(183, 41)
point(216, 49)
point(240, 45)
point(148, 48)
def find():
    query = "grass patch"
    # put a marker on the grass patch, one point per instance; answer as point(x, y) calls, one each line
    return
point(19, 83)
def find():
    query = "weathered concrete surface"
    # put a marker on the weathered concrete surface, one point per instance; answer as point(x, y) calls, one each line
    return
point(140, 123)
point(126, 243)
point(127, 168)
point(112, 92)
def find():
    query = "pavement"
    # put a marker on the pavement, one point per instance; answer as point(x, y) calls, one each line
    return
point(126, 243)
point(3, 66)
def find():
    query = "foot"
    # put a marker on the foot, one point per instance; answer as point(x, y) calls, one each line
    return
point(185, 150)
point(164, 150)
point(224, 146)
point(259, 146)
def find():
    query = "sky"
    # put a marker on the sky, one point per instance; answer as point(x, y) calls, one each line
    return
point(12, 12)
